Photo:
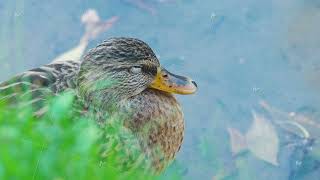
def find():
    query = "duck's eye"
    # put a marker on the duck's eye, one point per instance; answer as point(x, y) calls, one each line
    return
point(135, 69)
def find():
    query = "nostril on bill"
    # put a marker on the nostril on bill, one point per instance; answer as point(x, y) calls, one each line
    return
point(194, 83)
point(165, 76)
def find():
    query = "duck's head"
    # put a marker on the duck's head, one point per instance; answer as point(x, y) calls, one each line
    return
point(120, 68)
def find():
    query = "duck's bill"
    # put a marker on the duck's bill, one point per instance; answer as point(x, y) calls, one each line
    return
point(168, 82)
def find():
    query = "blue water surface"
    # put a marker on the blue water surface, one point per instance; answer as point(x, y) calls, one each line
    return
point(239, 52)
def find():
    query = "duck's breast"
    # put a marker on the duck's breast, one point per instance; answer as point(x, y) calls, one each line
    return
point(157, 120)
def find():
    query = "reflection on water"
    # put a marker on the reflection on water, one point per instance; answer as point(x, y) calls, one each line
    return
point(256, 115)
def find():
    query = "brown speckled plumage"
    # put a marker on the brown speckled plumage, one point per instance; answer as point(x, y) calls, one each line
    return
point(157, 120)
point(114, 79)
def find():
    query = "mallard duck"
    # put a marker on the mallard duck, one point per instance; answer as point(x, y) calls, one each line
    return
point(119, 76)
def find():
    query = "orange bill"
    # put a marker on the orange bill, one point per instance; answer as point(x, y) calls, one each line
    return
point(168, 82)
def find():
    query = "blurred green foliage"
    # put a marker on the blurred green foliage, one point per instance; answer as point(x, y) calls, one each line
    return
point(59, 145)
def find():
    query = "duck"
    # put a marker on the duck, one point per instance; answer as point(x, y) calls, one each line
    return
point(121, 77)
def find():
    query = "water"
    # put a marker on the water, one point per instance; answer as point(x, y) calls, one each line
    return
point(239, 52)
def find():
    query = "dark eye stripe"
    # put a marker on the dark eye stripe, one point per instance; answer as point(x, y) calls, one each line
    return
point(149, 69)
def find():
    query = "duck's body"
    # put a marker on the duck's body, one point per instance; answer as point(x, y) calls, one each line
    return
point(157, 120)
point(153, 116)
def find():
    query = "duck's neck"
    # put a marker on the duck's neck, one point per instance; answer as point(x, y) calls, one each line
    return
point(153, 117)
point(157, 121)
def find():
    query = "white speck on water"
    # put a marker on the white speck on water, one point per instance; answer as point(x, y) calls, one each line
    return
point(298, 163)
point(242, 60)
point(213, 16)
point(256, 89)
point(17, 14)
point(292, 114)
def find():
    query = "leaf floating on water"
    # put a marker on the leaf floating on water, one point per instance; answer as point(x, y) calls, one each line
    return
point(292, 122)
point(295, 128)
point(238, 141)
point(93, 28)
point(262, 140)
